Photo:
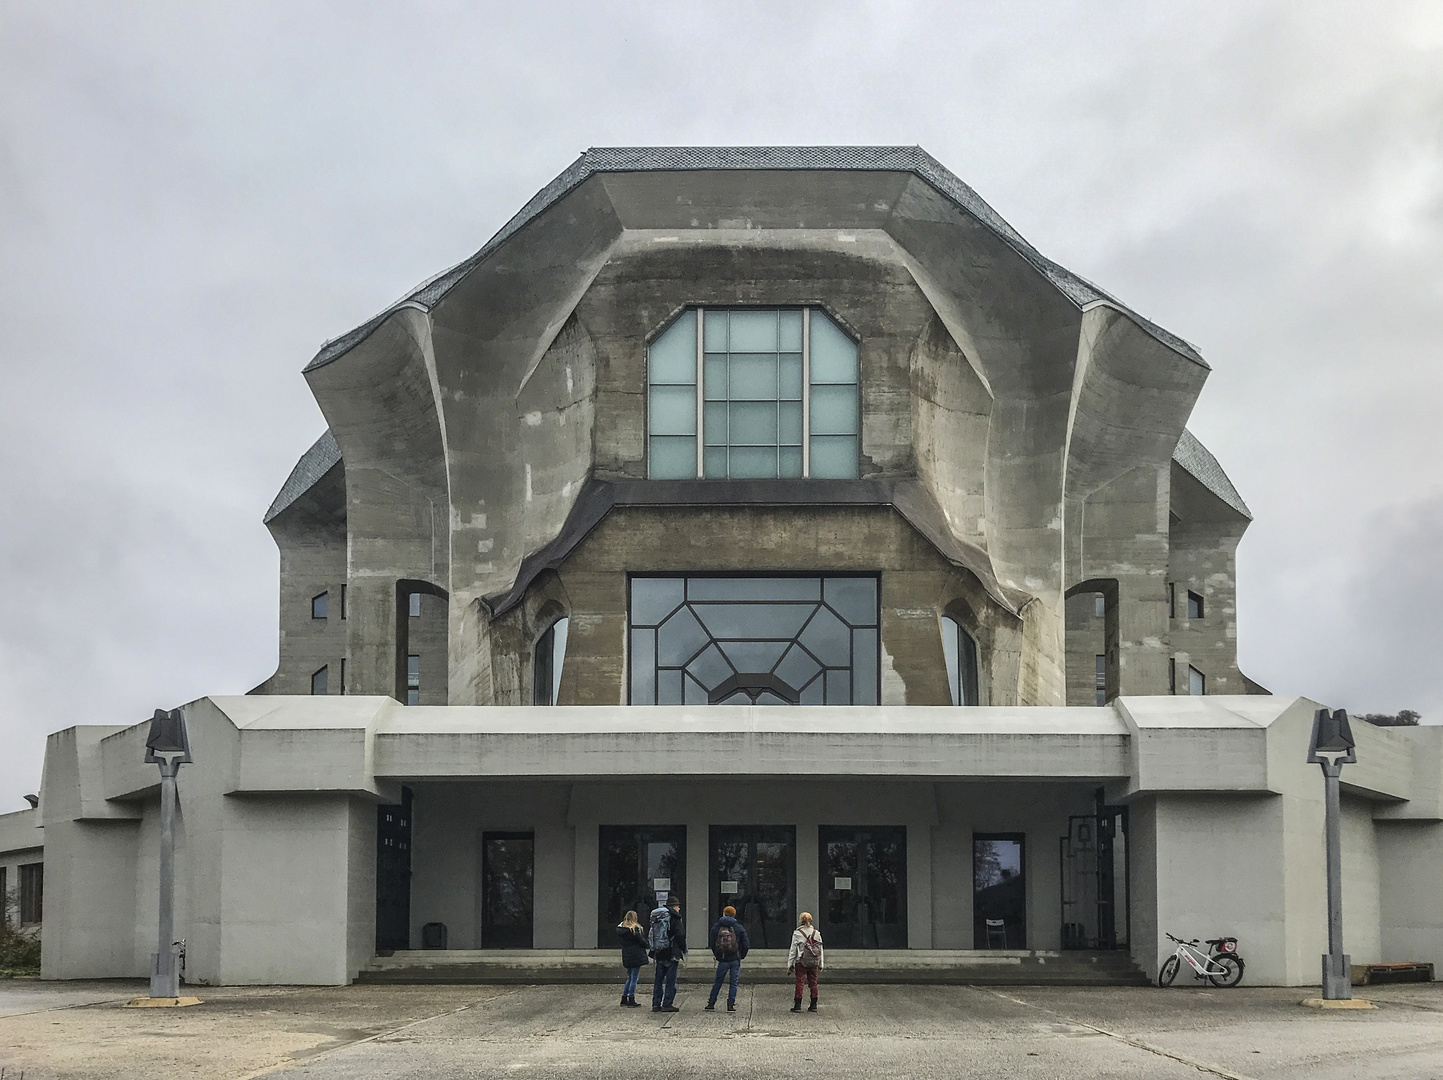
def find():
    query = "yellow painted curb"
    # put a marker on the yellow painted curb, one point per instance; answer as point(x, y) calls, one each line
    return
point(1328, 1003)
point(161, 1003)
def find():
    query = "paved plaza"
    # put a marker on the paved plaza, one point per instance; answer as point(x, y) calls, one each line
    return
point(51, 1031)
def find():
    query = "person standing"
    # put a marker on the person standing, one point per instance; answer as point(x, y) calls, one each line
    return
point(667, 938)
point(730, 945)
point(804, 960)
point(633, 955)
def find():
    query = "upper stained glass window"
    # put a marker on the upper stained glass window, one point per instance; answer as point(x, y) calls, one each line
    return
point(778, 396)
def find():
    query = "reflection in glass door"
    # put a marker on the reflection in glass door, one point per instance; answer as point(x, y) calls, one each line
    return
point(636, 863)
point(754, 869)
point(999, 891)
point(507, 866)
point(863, 887)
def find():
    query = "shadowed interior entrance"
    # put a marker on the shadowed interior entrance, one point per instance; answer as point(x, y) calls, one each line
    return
point(754, 869)
point(863, 887)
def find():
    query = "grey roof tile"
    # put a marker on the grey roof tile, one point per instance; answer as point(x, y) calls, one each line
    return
point(912, 159)
point(1197, 460)
point(323, 456)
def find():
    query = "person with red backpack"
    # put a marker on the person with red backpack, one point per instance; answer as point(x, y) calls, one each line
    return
point(804, 960)
point(730, 945)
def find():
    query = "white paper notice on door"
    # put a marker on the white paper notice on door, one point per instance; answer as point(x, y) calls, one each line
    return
point(661, 884)
point(842, 883)
point(729, 888)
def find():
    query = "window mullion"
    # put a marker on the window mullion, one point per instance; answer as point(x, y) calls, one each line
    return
point(700, 388)
point(806, 392)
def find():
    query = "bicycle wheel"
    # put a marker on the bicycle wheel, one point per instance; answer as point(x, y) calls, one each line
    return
point(1234, 966)
point(1168, 972)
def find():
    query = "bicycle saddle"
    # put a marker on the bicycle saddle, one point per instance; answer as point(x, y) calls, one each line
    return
point(1219, 940)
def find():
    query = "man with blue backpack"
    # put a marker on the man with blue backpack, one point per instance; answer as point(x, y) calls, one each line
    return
point(730, 945)
point(666, 936)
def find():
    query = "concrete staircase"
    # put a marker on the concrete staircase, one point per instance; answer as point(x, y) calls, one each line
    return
point(997, 967)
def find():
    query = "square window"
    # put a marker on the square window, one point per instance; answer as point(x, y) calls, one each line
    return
point(318, 606)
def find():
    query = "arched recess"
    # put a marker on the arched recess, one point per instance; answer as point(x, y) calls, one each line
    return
point(965, 648)
point(1107, 588)
point(405, 587)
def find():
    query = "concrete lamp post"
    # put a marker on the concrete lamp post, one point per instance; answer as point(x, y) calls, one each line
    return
point(167, 745)
point(1332, 748)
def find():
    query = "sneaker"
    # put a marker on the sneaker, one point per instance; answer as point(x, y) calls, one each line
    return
point(657, 1008)
point(670, 1008)
point(710, 1006)
point(731, 1006)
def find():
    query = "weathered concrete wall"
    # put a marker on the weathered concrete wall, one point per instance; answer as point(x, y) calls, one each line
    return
point(311, 537)
point(918, 587)
point(1410, 877)
point(1203, 541)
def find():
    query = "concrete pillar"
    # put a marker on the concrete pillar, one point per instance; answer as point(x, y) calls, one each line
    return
point(919, 886)
point(695, 904)
point(587, 887)
point(371, 636)
point(808, 856)
point(1141, 636)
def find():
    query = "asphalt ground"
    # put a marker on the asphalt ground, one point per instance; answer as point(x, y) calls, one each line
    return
point(59, 1031)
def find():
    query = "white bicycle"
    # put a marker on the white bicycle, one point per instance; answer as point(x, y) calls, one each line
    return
point(1221, 967)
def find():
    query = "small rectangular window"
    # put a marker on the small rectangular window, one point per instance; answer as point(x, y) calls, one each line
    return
point(413, 677)
point(318, 606)
point(1196, 682)
point(1172, 600)
point(1171, 675)
point(415, 605)
point(1101, 680)
point(1194, 605)
point(32, 894)
point(343, 601)
point(4, 900)
point(318, 682)
point(1099, 605)
point(343, 676)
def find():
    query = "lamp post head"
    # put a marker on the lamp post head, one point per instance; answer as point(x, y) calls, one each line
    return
point(168, 738)
point(1332, 738)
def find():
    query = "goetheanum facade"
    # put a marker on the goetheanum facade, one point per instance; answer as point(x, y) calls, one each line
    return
point(772, 527)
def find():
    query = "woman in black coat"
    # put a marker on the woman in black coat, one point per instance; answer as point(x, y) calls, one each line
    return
point(633, 955)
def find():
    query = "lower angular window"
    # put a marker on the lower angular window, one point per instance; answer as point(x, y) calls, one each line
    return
point(546, 667)
point(754, 640)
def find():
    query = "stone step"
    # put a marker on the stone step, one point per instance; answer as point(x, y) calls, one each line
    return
point(541, 966)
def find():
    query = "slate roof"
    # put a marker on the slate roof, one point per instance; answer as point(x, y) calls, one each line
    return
point(320, 459)
point(1197, 460)
point(912, 159)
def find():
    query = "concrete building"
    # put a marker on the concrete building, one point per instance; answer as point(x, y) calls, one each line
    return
point(863, 559)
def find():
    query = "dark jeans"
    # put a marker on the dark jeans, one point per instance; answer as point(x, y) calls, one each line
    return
point(807, 976)
point(732, 967)
point(632, 974)
point(665, 979)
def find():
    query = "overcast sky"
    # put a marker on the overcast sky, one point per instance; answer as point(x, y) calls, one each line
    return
point(193, 196)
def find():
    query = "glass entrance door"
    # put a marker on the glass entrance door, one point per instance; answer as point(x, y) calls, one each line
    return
point(754, 869)
point(636, 863)
point(507, 868)
point(863, 886)
point(999, 891)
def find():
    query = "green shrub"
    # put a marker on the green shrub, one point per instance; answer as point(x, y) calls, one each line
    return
point(19, 953)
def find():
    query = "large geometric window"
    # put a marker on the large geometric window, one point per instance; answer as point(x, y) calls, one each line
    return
point(761, 640)
point(779, 396)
